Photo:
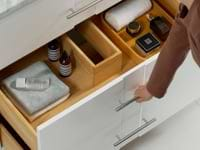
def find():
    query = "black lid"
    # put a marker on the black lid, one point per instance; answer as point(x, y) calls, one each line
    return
point(53, 45)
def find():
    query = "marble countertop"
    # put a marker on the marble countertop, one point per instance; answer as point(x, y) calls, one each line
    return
point(9, 6)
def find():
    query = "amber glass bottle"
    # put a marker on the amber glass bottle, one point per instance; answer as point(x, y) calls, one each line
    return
point(54, 50)
point(65, 65)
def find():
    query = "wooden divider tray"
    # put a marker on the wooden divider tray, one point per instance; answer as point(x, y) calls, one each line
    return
point(101, 58)
point(124, 41)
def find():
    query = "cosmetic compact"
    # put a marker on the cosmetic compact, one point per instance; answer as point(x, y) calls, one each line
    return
point(147, 43)
point(133, 28)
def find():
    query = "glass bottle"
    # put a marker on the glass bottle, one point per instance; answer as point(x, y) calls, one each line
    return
point(54, 50)
point(65, 65)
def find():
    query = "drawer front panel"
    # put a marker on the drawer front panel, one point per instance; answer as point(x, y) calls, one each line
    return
point(103, 140)
point(78, 126)
point(30, 27)
point(105, 4)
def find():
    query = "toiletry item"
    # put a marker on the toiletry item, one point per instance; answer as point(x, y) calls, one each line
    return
point(127, 11)
point(147, 43)
point(65, 65)
point(133, 28)
point(54, 50)
point(160, 26)
point(32, 84)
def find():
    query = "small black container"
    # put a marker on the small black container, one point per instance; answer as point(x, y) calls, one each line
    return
point(161, 27)
point(133, 28)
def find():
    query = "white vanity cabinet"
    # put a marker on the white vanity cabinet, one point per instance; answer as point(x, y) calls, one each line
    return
point(105, 118)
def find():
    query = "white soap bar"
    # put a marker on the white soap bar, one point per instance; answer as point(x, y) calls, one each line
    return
point(126, 12)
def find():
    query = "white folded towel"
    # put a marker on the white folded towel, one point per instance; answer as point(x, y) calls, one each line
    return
point(124, 13)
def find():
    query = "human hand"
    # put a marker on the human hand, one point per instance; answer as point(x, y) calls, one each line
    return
point(143, 94)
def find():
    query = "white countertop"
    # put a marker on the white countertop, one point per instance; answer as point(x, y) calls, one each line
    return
point(9, 6)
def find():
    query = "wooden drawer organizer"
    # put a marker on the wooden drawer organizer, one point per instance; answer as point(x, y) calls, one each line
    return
point(84, 69)
point(101, 58)
point(124, 41)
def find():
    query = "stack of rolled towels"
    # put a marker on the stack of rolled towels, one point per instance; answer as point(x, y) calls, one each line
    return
point(121, 15)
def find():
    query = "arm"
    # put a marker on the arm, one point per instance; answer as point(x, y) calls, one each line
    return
point(171, 57)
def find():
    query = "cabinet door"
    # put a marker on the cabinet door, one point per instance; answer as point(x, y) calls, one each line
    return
point(131, 111)
point(31, 27)
point(77, 127)
point(183, 90)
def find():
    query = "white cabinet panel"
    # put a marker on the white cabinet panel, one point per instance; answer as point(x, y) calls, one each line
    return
point(30, 27)
point(82, 3)
point(105, 4)
point(103, 140)
point(183, 91)
point(83, 10)
point(74, 129)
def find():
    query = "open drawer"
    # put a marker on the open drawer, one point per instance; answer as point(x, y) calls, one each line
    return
point(86, 78)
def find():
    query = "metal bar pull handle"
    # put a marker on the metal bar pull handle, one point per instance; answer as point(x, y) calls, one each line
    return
point(124, 105)
point(135, 132)
point(82, 9)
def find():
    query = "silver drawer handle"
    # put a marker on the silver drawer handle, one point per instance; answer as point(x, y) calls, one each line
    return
point(124, 105)
point(135, 132)
point(82, 9)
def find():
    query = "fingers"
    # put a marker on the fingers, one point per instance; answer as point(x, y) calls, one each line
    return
point(142, 94)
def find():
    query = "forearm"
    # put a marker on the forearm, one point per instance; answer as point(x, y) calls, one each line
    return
point(171, 57)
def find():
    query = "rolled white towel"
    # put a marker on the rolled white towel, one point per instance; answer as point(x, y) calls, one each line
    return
point(124, 13)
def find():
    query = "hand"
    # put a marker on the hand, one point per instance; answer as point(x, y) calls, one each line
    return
point(143, 94)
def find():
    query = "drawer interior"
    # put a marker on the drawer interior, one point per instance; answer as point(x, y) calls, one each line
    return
point(127, 43)
point(101, 57)
point(91, 57)
point(87, 48)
